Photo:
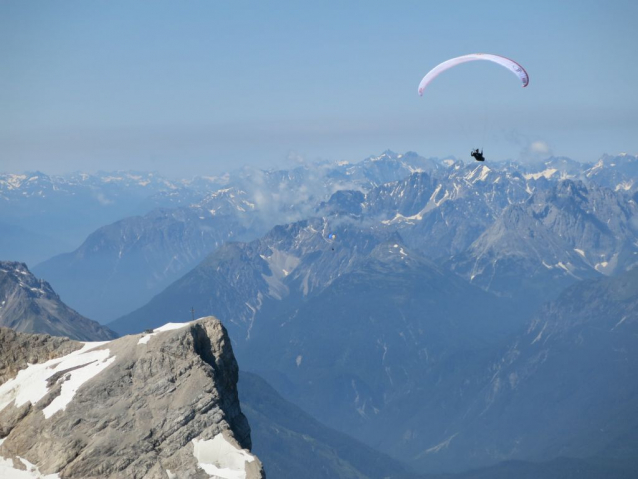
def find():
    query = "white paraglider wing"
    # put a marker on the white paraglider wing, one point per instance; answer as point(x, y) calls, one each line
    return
point(511, 65)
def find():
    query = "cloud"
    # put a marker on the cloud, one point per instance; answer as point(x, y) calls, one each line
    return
point(531, 150)
point(296, 158)
point(102, 199)
point(535, 151)
point(540, 147)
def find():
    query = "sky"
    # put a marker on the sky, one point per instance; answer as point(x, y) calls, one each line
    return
point(201, 87)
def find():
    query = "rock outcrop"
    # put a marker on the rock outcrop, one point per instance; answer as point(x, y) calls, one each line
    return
point(20, 350)
point(161, 404)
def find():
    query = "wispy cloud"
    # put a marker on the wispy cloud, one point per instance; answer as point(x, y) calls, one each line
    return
point(530, 149)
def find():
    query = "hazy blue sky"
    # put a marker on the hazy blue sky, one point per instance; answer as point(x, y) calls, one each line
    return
point(201, 86)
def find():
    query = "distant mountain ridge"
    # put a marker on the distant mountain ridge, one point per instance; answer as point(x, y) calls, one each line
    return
point(66, 208)
point(447, 203)
point(134, 258)
point(155, 249)
point(30, 305)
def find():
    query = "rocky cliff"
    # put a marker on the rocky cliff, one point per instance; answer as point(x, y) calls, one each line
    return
point(161, 404)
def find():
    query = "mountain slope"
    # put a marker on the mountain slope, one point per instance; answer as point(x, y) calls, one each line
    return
point(135, 258)
point(566, 387)
point(597, 222)
point(67, 208)
point(292, 444)
point(518, 257)
point(240, 279)
point(358, 354)
point(560, 468)
point(28, 304)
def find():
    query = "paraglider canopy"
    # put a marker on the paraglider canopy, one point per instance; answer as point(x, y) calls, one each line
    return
point(511, 65)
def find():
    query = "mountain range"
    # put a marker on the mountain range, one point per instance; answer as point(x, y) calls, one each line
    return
point(450, 316)
point(439, 207)
point(369, 319)
point(410, 358)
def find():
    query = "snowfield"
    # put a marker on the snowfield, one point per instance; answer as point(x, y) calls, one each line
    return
point(30, 385)
point(220, 459)
point(7, 471)
point(167, 327)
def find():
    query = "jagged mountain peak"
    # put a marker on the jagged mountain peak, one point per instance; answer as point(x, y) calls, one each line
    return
point(348, 202)
point(29, 304)
point(386, 155)
point(479, 172)
point(19, 273)
point(571, 189)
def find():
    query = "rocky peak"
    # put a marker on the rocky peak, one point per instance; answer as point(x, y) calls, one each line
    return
point(344, 202)
point(19, 275)
point(160, 404)
point(29, 304)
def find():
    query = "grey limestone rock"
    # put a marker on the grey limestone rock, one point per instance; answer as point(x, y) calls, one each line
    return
point(155, 401)
point(18, 350)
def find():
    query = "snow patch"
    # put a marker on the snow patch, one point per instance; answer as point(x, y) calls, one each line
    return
point(30, 385)
point(484, 174)
point(401, 251)
point(620, 322)
point(625, 185)
point(280, 265)
point(167, 327)
point(540, 335)
point(76, 378)
point(548, 173)
point(221, 459)
point(7, 471)
point(439, 447)
point(111, 179)
point(597, 166)
point(562, 266)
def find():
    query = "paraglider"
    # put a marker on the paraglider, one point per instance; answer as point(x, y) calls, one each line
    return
point(478, 156)
point(511, 65)
point(330, 239)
